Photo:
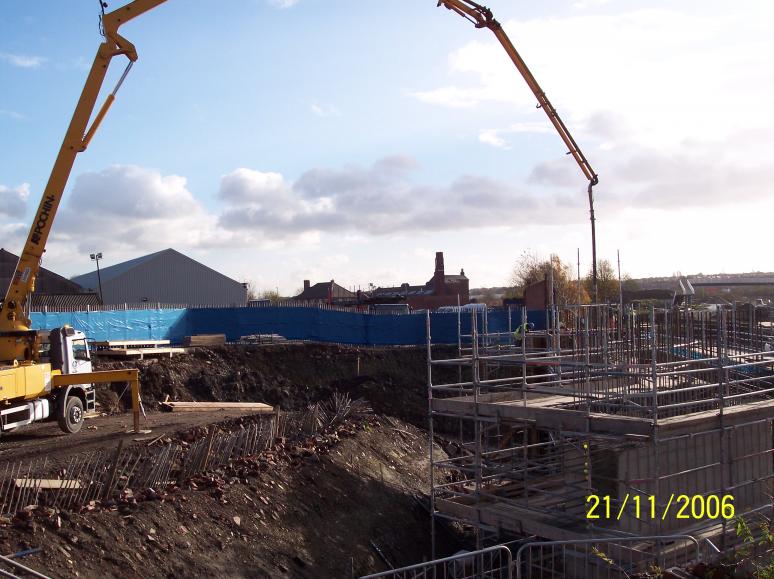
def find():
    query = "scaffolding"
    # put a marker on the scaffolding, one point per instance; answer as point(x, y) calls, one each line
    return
point(637, 407)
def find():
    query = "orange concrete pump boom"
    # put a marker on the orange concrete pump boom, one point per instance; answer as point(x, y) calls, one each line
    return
point(17, 341)
point(482, 17)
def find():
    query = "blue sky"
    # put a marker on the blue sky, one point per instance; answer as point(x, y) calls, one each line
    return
point(352, 139)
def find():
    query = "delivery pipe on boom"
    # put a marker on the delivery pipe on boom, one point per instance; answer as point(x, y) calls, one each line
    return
point(482, 17)
point(17, 341)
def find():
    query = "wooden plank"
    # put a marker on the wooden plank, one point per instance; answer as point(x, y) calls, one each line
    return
point(258, 407)
point(129, 353)
point(124, 344)
point(43, 483)
point(255, 410)
point(205, 340)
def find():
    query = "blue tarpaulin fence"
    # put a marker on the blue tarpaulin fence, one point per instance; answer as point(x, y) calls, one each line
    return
point(294, 323)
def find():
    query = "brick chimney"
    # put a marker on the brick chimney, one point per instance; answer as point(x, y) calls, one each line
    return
point(306, 284)
point(439, 279)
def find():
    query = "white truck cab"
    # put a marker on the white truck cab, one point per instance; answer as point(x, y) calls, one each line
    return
point(69, 352)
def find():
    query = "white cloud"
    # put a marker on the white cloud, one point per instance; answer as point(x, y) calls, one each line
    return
point(582, 4)
point(486, 61)
point(11, 114)
point(283, 3)
point(494, 136)
point(689, 82)
point(21, 60)
point(13, 200)
point(324, 111)
point(450, 96)
point(250, 186)
point(130, 208)
point(660, 121)
point(126, 210)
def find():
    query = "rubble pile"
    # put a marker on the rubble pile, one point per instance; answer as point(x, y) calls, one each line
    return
point(309, 507)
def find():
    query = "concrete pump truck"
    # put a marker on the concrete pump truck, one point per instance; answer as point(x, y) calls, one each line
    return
point(61, 388)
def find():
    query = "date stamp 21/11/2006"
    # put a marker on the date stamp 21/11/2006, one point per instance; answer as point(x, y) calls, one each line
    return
point(683, 507)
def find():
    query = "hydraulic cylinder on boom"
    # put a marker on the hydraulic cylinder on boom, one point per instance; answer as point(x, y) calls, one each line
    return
point(17, 341)
point(63, 387)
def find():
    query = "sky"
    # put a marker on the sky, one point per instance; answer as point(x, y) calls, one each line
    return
point(283, 140)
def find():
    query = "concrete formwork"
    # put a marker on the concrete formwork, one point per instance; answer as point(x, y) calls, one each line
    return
point(607, 402)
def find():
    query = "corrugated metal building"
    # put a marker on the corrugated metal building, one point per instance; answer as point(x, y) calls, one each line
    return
point(167, 277)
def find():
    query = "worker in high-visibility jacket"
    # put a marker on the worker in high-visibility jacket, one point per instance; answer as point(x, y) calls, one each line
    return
point(521, 331)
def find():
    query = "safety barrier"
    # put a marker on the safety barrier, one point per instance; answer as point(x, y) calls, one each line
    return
point(599, 558)
point(293, 323)
point(606, 557)
point(491, 563)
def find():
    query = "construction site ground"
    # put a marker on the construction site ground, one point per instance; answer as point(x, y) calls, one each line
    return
point(338, 512)
point(45, 439)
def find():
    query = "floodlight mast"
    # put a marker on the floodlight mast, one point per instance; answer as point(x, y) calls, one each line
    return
point(482, 17)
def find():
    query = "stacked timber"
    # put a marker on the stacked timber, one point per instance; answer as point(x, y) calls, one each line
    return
point(204, 340)
point(256, 407)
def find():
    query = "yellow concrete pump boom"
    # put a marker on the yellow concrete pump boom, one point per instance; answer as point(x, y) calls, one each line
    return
point(482, 17)
point(17, 341)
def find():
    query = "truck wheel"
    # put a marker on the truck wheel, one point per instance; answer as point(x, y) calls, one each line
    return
point(71, 419)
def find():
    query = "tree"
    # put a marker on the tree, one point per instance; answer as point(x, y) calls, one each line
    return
point(607, 282)
point(490, 297)
point(252, 294)
point(531, 268)
point(629, 284)
point(271, 295)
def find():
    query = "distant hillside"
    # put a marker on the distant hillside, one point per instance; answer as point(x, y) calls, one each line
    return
point(489, 295)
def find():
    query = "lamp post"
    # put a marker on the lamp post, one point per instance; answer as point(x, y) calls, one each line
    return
point(96, 257)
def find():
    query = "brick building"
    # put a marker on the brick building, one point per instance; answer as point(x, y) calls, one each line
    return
point(440, 290)
point(327, 292)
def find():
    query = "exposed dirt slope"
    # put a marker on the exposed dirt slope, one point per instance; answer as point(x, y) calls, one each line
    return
point(291, 376)
point(295, 517)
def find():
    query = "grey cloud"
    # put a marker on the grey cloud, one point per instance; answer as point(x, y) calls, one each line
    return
point(13, 236)
point(697, 174)
point(608, 125)
point(557, 172)
point(382, 199)
point(661, 180)
point(13, 200)
point(248, 186)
